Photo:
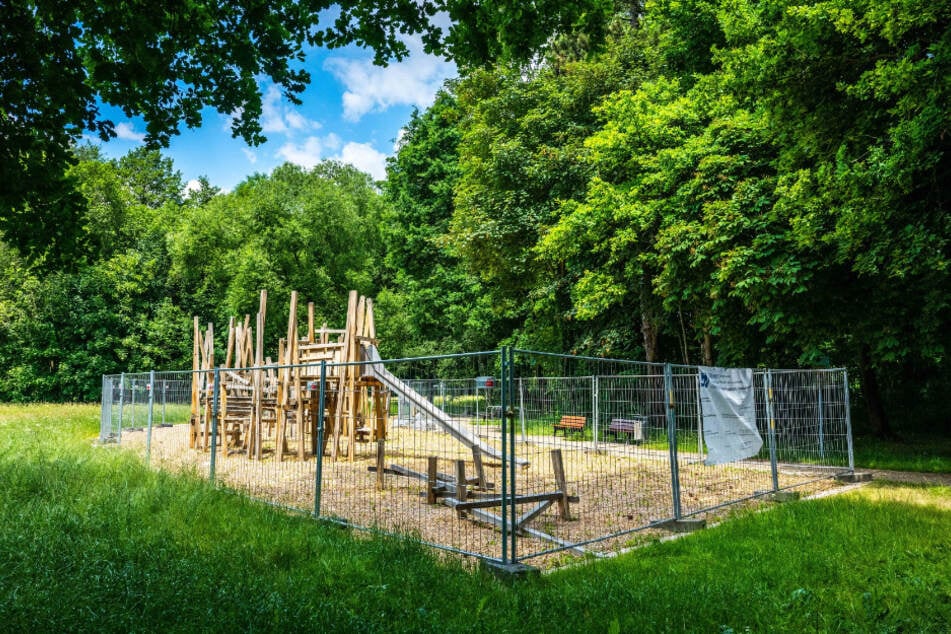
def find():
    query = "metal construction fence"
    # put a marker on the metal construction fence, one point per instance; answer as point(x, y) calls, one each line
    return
point(509, 456)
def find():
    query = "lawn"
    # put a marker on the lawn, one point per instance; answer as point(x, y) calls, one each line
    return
point(91, 540)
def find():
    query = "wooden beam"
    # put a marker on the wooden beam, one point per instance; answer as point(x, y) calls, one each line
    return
point(519, 499)
point(558, 466)
point(431, 479)
point(480, 471)
point(494, 519)
point(460, 484)
point(380, 456)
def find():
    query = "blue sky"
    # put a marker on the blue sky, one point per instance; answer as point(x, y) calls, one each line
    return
point(352, 111)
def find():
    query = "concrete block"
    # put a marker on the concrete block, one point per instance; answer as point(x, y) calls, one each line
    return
point(509, 571)
point(854, 477)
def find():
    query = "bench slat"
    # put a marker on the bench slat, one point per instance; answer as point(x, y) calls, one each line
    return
point(574, 423)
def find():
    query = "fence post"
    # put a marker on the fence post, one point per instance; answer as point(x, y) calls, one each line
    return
point(148, 435)
point(521, 407)
point(594, 406)
point(105, 404)
point(822, 449)
point(121, 405)
point(672, 439)
point(510, 414)
point(848, 418)
point(699, 419)
point(505, 457)
point(771, 430)
point(214, 425)
point(319, 453)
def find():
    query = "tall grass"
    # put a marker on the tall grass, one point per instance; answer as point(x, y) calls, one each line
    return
point(90, 540)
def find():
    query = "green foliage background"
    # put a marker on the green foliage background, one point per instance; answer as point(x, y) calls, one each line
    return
point(698, 181)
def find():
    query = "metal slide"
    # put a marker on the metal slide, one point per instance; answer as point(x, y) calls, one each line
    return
point(457, 430)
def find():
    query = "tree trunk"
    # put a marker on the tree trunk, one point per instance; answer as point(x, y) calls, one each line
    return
point(873, 396)
point(707, 347)
point(649, 330)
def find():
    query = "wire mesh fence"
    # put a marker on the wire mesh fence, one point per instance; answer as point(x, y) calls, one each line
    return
point(508, 455)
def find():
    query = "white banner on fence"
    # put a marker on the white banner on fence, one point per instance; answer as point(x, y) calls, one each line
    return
point(729, 414)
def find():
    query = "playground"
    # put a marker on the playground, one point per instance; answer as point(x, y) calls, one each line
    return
point(591, 455)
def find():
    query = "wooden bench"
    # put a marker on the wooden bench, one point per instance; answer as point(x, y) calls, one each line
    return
point(570, 423)
point(633, 428)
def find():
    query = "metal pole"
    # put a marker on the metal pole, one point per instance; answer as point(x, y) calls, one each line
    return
point(594, 407)
point(132, 404)
point(848, 419)
point(510, 393)
point(822, 448)
point(121, 405)
point(214, 426)
point(505, 457)
point(319, 470)
point(164, 396)
point(771, 435)
point(477, 399)
point(521, 407)
point(148, 436)
point(672, 439)
point(699, 420)
point(102, 412)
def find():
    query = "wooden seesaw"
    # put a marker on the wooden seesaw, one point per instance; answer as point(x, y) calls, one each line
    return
point(474, 496)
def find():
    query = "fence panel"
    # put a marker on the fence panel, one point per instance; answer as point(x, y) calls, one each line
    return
point(503, 455)
point(593, 431)
point(703, 486)
point(414, 440)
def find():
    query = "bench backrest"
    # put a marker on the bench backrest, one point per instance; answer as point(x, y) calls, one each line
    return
point(573, 421)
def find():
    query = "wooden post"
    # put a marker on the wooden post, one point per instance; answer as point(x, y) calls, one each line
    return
point(343, 398)
point(310, 322)
point(228, 350)
point(558, 466)
point(356, 400)
point(370, 325)
point(461, 492)
point(380, 455)
point(431, 479)
point(257, 396)
point(208, 364)
point(480, 471)
point(196, 382)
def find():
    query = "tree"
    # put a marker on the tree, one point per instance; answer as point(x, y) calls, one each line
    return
point(314, 231)
point(856, 95)
point(166, 62)
point(520, 155)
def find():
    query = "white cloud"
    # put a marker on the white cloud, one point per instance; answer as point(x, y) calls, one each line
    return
point(306, 154)
point(365, 158)
point(370, 88)
point(191, 186)
point(126, 132)
point(313, 150)
point(278, 117)
point(250, 155)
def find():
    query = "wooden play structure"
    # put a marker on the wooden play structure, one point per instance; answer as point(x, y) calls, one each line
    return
point(267, 408)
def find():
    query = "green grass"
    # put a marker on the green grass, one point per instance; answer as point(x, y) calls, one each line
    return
point(914, 452)
point(90, 540)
